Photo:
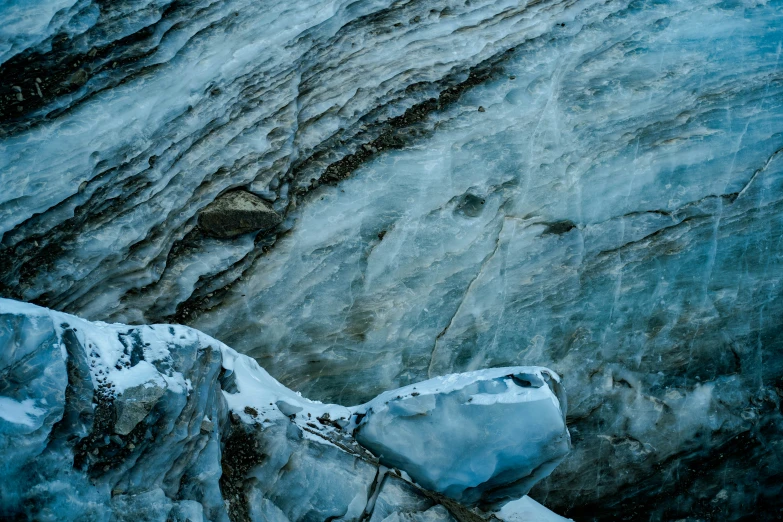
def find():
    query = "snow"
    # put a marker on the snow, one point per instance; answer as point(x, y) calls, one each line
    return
point(527, 510)
point(458, 381)
point(109, 347)
point(258, 390)
point(24, 412)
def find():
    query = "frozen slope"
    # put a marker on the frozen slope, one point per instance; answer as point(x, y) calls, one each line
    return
point(592, 186)
point(113, 422)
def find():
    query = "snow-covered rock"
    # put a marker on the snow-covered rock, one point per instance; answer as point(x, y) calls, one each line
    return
point(114, 422)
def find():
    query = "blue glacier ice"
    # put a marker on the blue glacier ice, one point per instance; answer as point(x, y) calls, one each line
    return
point(594, 187)
point(460, 434)
point(113, 422)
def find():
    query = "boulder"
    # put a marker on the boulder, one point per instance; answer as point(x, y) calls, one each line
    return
point(237, 213)
point(136, 402)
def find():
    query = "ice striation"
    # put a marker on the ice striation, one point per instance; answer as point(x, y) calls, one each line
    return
point(113, 422)
point(590, 186)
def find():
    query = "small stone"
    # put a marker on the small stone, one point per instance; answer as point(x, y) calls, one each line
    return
point(481, 109)
point(37, 80)
point(19, 96)
point(78, 78)
point(16, 88)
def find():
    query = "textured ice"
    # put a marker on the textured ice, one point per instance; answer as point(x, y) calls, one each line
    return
point(437, 431)
point(613, 210)
point(108, 421)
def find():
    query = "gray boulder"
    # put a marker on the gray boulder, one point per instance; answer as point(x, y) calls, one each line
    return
point(237, 213)
point(135, 403)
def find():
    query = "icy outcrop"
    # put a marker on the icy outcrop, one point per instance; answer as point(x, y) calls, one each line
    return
point(107, 421)
point(436, 431)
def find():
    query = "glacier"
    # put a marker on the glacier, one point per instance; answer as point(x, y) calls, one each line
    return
point(592, 187)
point(161, 422)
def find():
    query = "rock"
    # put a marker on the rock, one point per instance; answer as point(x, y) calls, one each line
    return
point(135, 403)
point(237, 213)
point(78, 78)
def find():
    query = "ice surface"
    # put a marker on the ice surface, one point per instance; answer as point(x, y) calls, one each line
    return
point(165, 423)
point(24, 23)
point(439, 432)
point(613, 211)
point(24, 412)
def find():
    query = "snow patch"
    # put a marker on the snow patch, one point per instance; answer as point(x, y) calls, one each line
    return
point(21, 412)
point(527, 510)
